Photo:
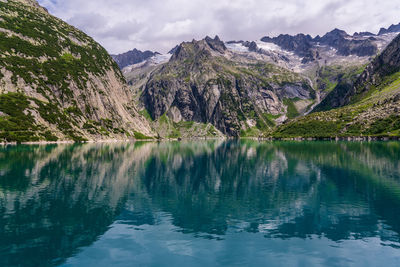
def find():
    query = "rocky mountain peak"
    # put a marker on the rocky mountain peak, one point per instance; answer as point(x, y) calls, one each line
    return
point(202, 48)
point(337, 31)
point(216, 44)
point(252, 46)
point(392, 29)
point(300, 44)
point(132, 57)
point(333, 37)
point(287, 41)
point(172, 51)
point(363, 34)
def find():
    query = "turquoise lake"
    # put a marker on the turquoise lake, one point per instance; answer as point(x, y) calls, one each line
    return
point(210, 203)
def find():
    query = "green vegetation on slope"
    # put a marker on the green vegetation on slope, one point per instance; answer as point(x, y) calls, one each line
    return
point(166, 128)
point(36, 46)
point(377, 114)
point(17, 123)
point(330, 76)
point(52, 58)
point(292, 111)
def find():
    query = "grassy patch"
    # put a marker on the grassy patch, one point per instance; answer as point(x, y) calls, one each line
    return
point(384, 126)
point(145, 113)
point(292, 111)
point(140, 136)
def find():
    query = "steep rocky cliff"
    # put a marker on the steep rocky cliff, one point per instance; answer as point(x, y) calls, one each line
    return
point(58, 83)
point(203, 83)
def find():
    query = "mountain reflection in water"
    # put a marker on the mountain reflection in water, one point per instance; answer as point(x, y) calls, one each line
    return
point(73, 204)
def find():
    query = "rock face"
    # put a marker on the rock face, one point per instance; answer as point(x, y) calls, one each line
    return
point(200, 83)
point(362, 34)
point(132, 57)
point(386, 64)
point(346, 45)
point(172, 51)
point(300, 44)
point(58, 83)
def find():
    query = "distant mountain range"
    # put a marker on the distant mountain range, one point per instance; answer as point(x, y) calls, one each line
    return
point(247, 88)
point(359, 44)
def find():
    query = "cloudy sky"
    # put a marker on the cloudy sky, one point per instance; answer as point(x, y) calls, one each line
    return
point(158, 25)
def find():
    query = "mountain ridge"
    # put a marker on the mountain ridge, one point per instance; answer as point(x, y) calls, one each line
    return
point(132, 57)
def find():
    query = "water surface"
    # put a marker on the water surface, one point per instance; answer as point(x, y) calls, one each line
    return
point(214, 203)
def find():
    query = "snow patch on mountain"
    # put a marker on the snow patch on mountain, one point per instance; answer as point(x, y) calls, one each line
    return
point(237, 47)
point(158, 59)
point(161, 58)
point(269, 47)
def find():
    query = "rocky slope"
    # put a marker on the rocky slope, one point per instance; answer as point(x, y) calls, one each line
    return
point(367, 107)
point(204, 82)
point(56, 83)
point(384, 65)
point(132, 57)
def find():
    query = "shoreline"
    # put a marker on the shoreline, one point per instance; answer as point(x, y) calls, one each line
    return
point(348, 139)
point(299, 139)
point(106, 141)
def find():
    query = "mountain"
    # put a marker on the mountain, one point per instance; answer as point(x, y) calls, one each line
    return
point(132, 57)
point(57, 83)
point(392, 29)
point(369, 106)
point(384, 65)
point(334, 58)
point(172, 51)
point(203, 83)
point(248, 88)
point(308, 48)
point(300, 44)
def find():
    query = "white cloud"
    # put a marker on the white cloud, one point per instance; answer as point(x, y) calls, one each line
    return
point(177, 28)
point(121, 25)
